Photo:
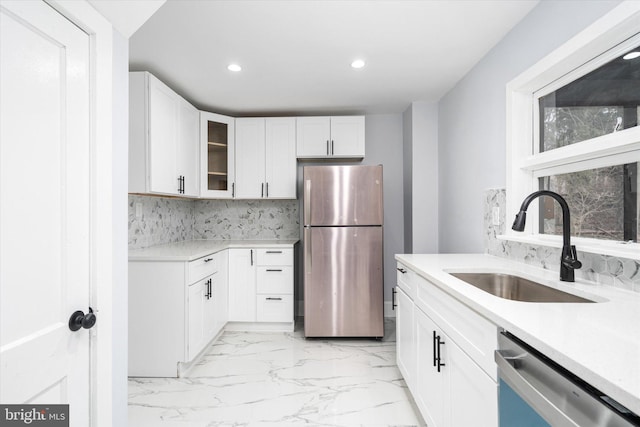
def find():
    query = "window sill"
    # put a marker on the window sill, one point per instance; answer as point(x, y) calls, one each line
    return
point(616, 249)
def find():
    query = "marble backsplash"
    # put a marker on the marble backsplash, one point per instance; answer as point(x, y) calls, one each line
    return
point(167, 220)
point(608, 270)
point(161, 220)
point(246, 219)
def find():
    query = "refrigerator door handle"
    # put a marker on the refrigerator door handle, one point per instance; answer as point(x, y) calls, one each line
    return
point(307, 249)
point(307, 202)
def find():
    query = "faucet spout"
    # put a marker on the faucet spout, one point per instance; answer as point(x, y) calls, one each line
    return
point(569, 258)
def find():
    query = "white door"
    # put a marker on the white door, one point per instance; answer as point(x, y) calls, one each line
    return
point(347, 136)
point(188, 148)
point(431, 386)
point(313, 136)
point(44, 208)
point(250, 182)
point(242, 285)
point(163, 149)
point(405, 338)
point(280, 160)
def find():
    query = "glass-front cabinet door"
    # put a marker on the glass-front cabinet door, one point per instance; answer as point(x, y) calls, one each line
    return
point(217, 156)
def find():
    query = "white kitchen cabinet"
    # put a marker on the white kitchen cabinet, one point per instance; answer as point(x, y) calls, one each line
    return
point(274, 287)
point(199, 311)
point(217, 156)
point(330, 137)
point(261, 286)
point(265, 158)
point(431, 383)
point(406, 337)
point(242, 285)
point(163, 139)
point(175, 309)
point(455, 378)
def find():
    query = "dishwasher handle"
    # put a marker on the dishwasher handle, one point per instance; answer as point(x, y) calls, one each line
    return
point(550, 412)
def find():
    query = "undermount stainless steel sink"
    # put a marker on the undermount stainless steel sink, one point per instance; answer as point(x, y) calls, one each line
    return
point(516, 288)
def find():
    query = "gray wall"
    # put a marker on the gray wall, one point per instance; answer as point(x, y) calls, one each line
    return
point(384, 139)
point(420, 177)
point(407, 177)
point(472, 117)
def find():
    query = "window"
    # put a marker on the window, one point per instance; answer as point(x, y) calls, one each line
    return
point(573, 128)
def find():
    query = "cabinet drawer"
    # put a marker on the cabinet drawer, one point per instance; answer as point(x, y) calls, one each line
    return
point(406, 280)
point(275, 256)
point(203, 267)
point(275, 280)
point(474, 334)
point(274, 308)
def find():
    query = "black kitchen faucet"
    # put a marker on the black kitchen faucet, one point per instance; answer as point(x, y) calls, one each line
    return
point(569, 258)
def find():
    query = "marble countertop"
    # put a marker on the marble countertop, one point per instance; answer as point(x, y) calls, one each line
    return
point(598, 342)
point(190, 250)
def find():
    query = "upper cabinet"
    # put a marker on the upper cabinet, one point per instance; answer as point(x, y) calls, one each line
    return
point(217, 156)
point(330, 137)
point(265, 158)
point(163, 139)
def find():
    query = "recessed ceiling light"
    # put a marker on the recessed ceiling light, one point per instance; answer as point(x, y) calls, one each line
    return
point(358, 63)
point(632, 55)
point(234, 67)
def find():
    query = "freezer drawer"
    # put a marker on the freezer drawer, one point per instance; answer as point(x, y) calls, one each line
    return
point(343, 293)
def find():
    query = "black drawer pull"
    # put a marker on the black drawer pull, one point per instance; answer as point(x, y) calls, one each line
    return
point(274, 269)
point(274, 252)
point(208, 259)
point(401, 270)
point(273, 299)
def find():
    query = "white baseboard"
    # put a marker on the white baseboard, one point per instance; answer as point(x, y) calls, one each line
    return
point(259, 326)
point(388, 311)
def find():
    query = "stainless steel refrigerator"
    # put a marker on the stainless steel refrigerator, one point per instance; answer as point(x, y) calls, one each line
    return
point(343, 272)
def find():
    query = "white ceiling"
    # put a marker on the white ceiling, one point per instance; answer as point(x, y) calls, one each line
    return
point(296, 55)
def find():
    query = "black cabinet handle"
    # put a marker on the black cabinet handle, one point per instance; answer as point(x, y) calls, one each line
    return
point(332, 147)
point(435, 349)
point(327, 147)
point(401, 270)
point(274, 269)
point(273, 299)
point(439, 358)
point(209, 293)
point(208, 259)
point(267, 189)
point(180, 183)
point(274, 252)
point(251, 256)
point(262, 195)
point(393, 299)
point(233, 189)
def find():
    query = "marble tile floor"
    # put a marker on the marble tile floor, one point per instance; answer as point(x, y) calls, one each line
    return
point(281, 379)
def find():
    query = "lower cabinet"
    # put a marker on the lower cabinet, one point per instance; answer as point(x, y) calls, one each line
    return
point(447, 367)
point(261, 286)
point(207, 307)
point(242, 285)
point(175, 309)
point(406, 337)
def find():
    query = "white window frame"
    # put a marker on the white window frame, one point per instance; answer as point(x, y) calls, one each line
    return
point(599, 43)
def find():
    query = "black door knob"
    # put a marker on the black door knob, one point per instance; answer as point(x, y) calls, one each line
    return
point(80, 320)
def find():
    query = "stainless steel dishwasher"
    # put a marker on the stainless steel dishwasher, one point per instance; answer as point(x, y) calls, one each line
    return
point(537, 392)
